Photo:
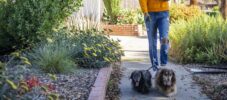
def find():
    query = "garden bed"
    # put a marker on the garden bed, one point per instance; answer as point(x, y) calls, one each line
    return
point(72, 86)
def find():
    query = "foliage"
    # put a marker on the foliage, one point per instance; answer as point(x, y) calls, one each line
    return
point(126, 17)
point(95, 48)
point(10, 86)
point(54, 56)
point(2, 72)
point(130, 17)
point(201, 40)
point(215, 11)
point(112, 8)
point(182, 12)
point(31, 21)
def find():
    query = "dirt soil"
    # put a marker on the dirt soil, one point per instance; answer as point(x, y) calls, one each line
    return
point(214, 85)
point(113, 90)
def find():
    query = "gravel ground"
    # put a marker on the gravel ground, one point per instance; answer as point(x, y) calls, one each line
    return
point(73, 86)
point(211, 83)
point(76, 86)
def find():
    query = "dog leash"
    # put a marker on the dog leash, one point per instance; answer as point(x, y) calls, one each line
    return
point(155, 68)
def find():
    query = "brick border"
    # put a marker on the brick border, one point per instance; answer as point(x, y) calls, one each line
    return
point(124, 30)
point(98, 91)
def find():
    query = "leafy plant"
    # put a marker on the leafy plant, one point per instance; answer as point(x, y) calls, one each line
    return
point(26, 22)
point(201, 40)
point(126, 17)
point(95, 48)
point(182, 12)
point(9, 86)
point(130, 17)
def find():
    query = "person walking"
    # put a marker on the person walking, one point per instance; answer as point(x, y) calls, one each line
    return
point(156, 16)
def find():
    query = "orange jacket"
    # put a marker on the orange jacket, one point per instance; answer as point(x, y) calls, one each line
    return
point(154, 5)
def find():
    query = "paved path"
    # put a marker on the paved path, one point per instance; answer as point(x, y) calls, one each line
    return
point(136, 57)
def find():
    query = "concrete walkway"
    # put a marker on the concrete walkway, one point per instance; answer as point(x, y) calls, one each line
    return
point(136, 57)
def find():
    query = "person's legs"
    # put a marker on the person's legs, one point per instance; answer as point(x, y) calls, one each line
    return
point(163, 27)
point(152, 38)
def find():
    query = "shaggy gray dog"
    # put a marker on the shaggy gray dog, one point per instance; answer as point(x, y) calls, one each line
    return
point(166, 82)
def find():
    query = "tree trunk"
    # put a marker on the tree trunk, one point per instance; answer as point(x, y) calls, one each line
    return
point(193, 2)
point(223, 9)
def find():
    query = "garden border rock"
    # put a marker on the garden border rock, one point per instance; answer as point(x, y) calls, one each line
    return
point(98, 91)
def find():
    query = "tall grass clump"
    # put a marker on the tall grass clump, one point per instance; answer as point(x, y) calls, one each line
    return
point(201, 40)
point(54, 56)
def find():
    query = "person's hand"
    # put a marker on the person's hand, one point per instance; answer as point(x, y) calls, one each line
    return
point(146, 14)
point(147, 17)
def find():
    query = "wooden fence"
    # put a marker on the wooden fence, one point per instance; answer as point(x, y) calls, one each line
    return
point(93, 9)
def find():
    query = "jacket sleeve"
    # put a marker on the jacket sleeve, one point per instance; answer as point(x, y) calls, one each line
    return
point(143, 5)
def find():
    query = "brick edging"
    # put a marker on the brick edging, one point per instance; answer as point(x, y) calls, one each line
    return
point(124, 30)
point(98, 91)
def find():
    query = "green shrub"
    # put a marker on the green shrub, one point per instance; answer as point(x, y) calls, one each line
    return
point(201, 40)
point(55, 56)
point(26, 22)
point(126, 16)
point(130, 17)
point(95, 49)
point(182, 12)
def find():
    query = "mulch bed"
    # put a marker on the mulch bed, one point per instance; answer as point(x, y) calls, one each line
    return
point(72, 86)
point(211, 84)
point(113, 90)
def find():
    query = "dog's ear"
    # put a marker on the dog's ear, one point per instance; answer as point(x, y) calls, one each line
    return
point(173, 77)
point(131, 75)
point(159, 77)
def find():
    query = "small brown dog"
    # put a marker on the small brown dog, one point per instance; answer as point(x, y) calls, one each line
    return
point(166, 82)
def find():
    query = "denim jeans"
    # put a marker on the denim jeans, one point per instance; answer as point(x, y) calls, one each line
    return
point(158, 23)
